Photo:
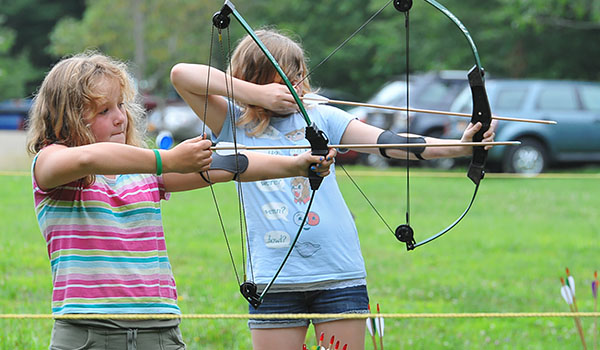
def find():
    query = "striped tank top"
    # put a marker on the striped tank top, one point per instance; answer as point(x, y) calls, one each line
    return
point(106, 246)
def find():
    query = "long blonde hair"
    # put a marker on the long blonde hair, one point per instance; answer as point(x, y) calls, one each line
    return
point(68, 97)
point(249, 63)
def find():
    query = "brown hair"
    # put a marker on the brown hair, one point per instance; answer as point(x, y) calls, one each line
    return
point(249, 63)
point(69, 96)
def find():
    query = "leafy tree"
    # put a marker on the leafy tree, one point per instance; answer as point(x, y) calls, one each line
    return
point(554, 38)
point(167, 32)
point(30, 21)
point(14, 71)
point(511, 36)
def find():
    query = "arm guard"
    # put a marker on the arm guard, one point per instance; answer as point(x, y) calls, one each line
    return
point(228, 163)
point(387, 137)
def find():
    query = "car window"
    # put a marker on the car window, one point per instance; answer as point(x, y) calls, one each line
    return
point(389, 93)
point(552, 98)
point(510, 98)
point(463, 102)
point(590, 97)
point(434, 93)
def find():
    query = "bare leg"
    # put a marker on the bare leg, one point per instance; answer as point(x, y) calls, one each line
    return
point(279, 338)
point(351, 332)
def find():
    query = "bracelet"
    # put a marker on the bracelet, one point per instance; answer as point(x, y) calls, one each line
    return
point(158, 162)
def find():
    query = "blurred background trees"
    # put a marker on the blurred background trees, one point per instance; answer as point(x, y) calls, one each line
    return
point(515, 38)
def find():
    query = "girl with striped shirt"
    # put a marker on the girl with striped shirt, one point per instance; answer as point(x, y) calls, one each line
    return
point(97, 194)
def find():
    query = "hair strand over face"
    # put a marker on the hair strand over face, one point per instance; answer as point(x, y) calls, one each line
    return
point(249, 63)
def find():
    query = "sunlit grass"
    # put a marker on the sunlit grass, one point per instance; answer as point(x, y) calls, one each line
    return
point(506, 256)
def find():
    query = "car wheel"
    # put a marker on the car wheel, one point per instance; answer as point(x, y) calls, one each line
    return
point(530, 157)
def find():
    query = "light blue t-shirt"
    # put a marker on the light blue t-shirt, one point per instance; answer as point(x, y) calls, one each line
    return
point(328, 248)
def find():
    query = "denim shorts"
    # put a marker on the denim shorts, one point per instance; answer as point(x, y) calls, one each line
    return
point(351, 300)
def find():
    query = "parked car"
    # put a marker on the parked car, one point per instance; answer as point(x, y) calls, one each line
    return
point(433, 90)
point(14, 113)
point(177, 118)
point(574, 105)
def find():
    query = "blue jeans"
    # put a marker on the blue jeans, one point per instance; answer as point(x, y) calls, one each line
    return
point(331, 301)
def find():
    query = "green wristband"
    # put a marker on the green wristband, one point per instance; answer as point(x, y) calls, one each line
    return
point(158, 162)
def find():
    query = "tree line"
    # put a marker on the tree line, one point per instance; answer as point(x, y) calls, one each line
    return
point(515, 38)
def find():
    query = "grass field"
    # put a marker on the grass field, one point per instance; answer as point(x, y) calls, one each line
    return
point(506, 256)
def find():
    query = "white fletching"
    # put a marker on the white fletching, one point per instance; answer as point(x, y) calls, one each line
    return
point(571, 284)
point(565, 291)
point(370, 326)
point(226, 152)
point(314, 99)
point(380, 324)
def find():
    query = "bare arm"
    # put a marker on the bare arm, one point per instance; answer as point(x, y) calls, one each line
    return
point(261, 166)
point(358, 132)
point(190, 81)
point(58, 165)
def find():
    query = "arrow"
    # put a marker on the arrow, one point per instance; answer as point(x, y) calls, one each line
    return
point(331, 342)
point(569, 298)
point(371, 327)
point(320, 346)
point(380, 324)
point(318, 99)
point(571, 283)
point(370, 145)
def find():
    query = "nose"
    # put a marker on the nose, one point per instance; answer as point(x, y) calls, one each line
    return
point(121, 116)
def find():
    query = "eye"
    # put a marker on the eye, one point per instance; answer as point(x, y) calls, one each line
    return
point(121, 105)
point(104, 111)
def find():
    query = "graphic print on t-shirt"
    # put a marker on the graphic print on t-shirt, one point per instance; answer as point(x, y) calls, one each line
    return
point(275, 211)
point(269, 133)
point(271, 185)
point(295, 135)
point(300, 190)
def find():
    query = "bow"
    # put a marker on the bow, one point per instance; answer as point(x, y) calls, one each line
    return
point(317, 139)
point(481, 113)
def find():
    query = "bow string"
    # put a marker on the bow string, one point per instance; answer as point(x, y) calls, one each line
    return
point(317, 139)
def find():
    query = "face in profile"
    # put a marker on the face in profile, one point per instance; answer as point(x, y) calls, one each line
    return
point(108, 122)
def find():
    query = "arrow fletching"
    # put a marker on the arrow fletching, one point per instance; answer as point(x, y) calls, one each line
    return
point(379, 323)
point(226, 152)
point(312, 99)
point(595, 285)
point(565, 291)
point(570, 281)
point(370, 322)
point(571, 284)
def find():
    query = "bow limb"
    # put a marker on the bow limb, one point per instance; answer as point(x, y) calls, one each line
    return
point(481, 114)
point(317, 139)
point(481, 107)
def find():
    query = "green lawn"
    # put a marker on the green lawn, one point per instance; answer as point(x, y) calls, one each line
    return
point(506, 256)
